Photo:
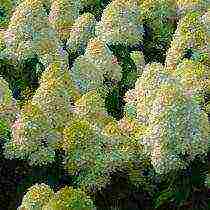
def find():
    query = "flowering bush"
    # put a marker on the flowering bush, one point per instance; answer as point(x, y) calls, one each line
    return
point(164, 125)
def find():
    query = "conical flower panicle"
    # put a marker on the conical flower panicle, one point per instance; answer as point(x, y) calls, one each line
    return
point(121, 23)
point(57, 70)
point(23, 23)
point(98, 53)
point(175, 129)
point(62, 15)
point(97, 64)
point(160, 102)
point(81, 31)
point(32, 137)
point(29, 33)
point(36, 197)
point(141, 98)
point(191, 34)
point(56, 95)
point(91, 105)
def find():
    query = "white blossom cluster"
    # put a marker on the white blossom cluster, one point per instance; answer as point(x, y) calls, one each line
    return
point(121, 23)
point(97, 58)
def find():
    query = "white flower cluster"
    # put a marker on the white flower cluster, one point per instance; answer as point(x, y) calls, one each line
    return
point(121, 23)
point(81, 31)
point(97, 58)
point(176, 125)
point(29, 33)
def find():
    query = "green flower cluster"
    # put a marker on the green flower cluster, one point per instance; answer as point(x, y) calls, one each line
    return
point(191, 34)
point(42, 197)
point(8, 107)
point(6, 7)
point(62, 15)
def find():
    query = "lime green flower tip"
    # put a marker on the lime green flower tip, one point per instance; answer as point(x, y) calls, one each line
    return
point(36, 197)
point(91, 102)
point(77, 132)
point(6, 7)
point(5, 93)
point(68, 198)
point(62, 15)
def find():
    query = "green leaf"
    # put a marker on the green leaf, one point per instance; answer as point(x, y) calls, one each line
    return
point(164, 197)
